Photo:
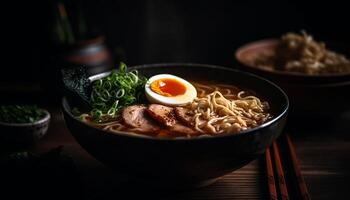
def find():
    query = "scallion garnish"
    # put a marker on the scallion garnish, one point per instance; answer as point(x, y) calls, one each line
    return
point(119, 89)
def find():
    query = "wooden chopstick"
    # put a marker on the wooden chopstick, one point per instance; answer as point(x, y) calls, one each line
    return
point(270, 176)
point(280, 173)
point(283, 191)
point(296, 167)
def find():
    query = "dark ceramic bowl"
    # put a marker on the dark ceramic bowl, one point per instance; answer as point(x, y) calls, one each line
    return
point(184, 162)
point(14, 136)
point(310, 95)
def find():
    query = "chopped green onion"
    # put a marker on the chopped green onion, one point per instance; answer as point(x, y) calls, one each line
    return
point(117, 90)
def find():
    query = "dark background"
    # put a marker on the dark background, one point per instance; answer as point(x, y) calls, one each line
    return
point(142, 32)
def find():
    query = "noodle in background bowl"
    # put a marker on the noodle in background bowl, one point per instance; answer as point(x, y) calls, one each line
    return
point(183, 163)
point(311, 96)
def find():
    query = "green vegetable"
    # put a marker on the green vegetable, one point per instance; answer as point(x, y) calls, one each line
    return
point(20, 113)
point(119, 89)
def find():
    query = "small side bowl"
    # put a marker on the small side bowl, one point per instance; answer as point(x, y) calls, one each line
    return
point(20, 135)
point(310, 95)
point(248, 52)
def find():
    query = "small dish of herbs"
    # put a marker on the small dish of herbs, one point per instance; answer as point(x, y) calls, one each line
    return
point(22, 125)
point(21, 113)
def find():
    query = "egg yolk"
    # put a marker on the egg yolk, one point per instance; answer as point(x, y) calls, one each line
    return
point(168, 87)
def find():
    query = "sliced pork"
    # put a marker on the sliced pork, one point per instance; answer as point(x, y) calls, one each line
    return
point(180, 128)
point(163, 114)
point(136, 117)
point(166, 116)
point(181, 114)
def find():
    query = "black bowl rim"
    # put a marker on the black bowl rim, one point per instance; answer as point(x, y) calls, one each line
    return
point(245, 132)
point(43, 120)
point(278, 72)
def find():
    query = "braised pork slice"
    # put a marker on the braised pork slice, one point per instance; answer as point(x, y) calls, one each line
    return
point(166, 116)
point(163, 114)
point(136, 117)
point(180, 128)
point(181, 114)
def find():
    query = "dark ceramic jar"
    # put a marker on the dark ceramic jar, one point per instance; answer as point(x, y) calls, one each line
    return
point(91, 53)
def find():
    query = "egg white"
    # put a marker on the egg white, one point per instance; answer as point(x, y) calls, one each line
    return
point(179, 100)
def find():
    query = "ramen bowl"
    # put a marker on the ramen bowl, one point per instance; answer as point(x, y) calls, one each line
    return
point(183, 162)
point(311, 96)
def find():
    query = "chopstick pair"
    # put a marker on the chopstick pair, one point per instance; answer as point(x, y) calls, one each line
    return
point(280, 177)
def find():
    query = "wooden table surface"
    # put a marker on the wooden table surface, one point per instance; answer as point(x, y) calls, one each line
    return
point(324, 154)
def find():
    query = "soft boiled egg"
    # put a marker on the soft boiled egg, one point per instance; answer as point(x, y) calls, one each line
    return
point(169, 90)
